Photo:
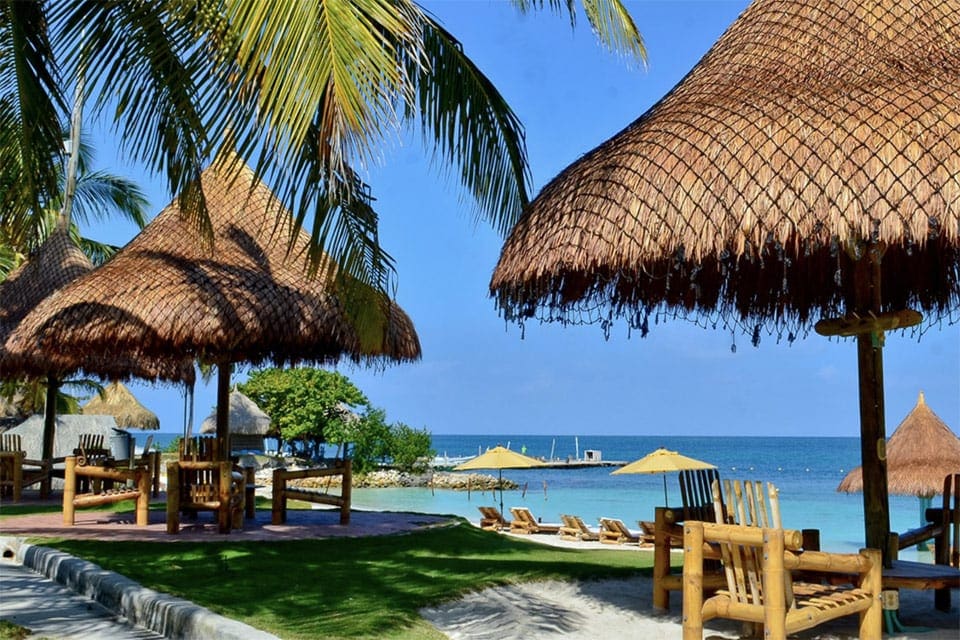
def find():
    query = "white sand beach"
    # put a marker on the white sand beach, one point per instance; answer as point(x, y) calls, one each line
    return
point(621, 608)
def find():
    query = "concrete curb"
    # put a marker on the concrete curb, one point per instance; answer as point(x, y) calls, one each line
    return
point(164, 614)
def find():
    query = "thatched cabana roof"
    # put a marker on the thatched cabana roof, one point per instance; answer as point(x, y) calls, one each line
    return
point(117, 401)
point(245, 298)
point(810, 126)
point(245, 418)
point(920, 454)
point(55, 264)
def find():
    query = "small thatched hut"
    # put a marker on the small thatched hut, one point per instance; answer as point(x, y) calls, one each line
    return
point(248, 423)
point(117, 401)
point(920, 453)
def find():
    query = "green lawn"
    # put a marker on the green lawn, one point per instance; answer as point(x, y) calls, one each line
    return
point(346, 588)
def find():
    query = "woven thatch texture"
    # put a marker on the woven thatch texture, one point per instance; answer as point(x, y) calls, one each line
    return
point(810, 125)
point(245, 417)
point(920, 454)
point(244, 299)
point(55, 264)
point(117, 401)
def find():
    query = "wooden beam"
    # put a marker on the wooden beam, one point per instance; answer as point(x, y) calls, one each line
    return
point(855, 324)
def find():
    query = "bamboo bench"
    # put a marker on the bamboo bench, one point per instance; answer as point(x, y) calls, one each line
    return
point(139, 491)
point(17, 471)
point(282, 491)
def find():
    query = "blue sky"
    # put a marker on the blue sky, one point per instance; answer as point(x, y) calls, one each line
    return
point(479, 375)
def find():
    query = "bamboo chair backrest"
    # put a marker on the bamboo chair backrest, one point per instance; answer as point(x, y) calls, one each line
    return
point(746, 506)
point(200, 449)
point(950, 554)
point(10, 442)
point(696, 494)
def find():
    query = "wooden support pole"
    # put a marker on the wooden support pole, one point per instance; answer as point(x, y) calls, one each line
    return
point(279, 510)
point(144, 477)
point(49, 431)
point(223, 410)
point(224, 513)
point(18, 458)
point(873, 437)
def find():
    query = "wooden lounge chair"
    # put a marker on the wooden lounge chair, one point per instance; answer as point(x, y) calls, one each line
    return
point(757, 563)
point(574, 528)
point(201, 481)
point(613, 531)
point(491, 519)
point(17, 471)
point(525, 522)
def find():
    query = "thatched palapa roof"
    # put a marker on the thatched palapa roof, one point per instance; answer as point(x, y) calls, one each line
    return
point(55, 264)
point(117, 401)
point(920, 454)
point(244, 299)
point(809, 126)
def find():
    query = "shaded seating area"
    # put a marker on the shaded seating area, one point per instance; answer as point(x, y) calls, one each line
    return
point(525, 522)
point(492, 520)
point(17, 471)
point(614, 531)
point(574, 528)
point(202, 481)
point(131, 483)
point(283, 490)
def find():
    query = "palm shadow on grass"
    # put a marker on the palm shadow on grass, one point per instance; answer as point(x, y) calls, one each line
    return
point(345, 587)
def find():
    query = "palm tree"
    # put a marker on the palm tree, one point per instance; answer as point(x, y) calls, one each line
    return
point(304, 91)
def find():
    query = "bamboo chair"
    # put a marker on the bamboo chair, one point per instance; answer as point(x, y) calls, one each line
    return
point(201, 481)
point(491, 519)
point(574, 528)
point(525, 522)
point(133, 484)
point(758, 556)
point(757, 562)
point(17, 471)
point(613, 531)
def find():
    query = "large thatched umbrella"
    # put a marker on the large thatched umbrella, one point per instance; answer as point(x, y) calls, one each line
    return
point(117, 401)
point(55, 264)
point(921, 452)
point(245, 297)
point(806, 168)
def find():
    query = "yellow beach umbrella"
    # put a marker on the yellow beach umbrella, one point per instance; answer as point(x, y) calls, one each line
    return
point(499, 458)
point(663, 461)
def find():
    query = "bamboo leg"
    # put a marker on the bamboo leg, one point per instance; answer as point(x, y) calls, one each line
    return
point(143, 479)
point(69, 490)
point(774, 596)
point(693, 581)
point(173, 497)
point(346, 484)
point(661, 560)
point(279, 510)
point(871, 620)
point(224, 515)
point(18, 478)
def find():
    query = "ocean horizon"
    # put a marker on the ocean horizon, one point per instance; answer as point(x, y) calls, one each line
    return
point(806, 470)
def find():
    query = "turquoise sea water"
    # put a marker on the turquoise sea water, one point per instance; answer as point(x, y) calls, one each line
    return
point(806, 471)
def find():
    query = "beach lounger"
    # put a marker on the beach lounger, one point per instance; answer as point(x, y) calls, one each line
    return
point(574, 528)
point(491, 519)
point(525, 522)
point(613, 531)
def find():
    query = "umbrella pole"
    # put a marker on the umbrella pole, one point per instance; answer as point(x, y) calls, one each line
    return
point(665, 502)
point(873, 441)
point(49, 430)
point(501, 491)
point(223, 410)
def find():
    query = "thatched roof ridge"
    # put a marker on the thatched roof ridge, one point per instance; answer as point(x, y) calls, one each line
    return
point(810, 125)
point(246, 298)
point(920, 453)
point(117, 401)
